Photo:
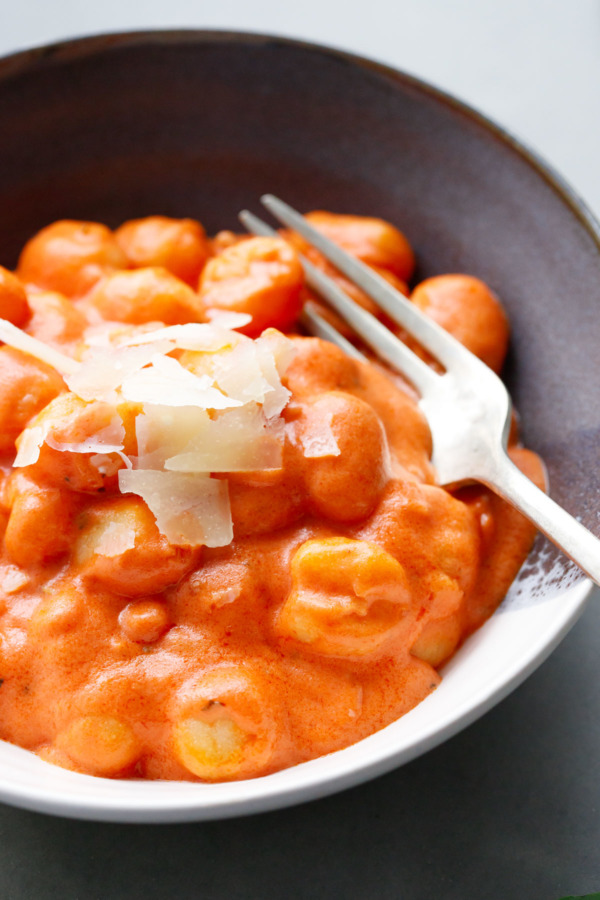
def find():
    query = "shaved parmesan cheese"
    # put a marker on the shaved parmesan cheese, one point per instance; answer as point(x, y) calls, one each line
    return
point(115, 539)
point(189, 509)
point(320, 441)
point(13, 579)
point(277, 397)
point(239, 374)
point(193, 336)
point(167, 383)
point(92, 445)
point(236, 441)
point(104, 334)
point(16, 338)
point(107, 440)
point(107, 465)
point(104, 370)
point(215, 592)
point(225, 319)
point(215, 410)
point(250, 371)
point(29, 443)
point(164, 431)
point(281, 347)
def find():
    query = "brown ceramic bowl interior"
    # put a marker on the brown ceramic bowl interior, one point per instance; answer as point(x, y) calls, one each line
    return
point(200, 124)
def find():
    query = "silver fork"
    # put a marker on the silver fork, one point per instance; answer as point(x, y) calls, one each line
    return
point(467, 407)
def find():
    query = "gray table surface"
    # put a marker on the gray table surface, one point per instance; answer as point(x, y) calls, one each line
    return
point(510, 808)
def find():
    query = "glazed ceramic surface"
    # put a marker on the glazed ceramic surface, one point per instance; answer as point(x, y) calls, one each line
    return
point(200, 124)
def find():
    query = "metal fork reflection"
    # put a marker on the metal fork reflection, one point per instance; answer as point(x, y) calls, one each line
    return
point(467, 406)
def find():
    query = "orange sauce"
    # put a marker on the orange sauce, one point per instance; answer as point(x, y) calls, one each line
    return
point(352, 577)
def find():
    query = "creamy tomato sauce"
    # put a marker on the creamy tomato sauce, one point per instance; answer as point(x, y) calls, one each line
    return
point(248, 563)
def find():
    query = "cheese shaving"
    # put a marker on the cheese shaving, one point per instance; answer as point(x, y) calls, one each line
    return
point(238, 441)
point(281, 347)
point(115, 538)
point(107, 440)
point(320, 444)
point(215, 410)
point(277, 396)
point(320, 441)
point(193, 336)
point(113, 334)
point(164, 431)
point(239, 374)
point(13, 580)
point(29, 444)
point(16, 338)
point(167, 383)
point(104, 370)
point(107, 465)
point(225, 319)
point(189, 509)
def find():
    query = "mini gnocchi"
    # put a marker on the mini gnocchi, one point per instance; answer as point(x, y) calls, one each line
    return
point(224, 550)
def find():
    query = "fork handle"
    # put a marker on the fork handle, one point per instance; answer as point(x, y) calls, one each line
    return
point(579, 544)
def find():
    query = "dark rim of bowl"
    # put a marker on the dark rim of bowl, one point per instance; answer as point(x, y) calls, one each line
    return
point(14, 64)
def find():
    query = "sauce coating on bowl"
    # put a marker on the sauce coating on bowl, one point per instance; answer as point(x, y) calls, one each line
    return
point(224, 550)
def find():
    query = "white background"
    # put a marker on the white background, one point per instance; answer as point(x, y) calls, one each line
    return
point(533, 65)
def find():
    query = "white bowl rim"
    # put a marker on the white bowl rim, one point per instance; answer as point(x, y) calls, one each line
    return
point(155, 801)
point(152, 802)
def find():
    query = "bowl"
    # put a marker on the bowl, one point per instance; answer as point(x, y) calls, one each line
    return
point(201, 124)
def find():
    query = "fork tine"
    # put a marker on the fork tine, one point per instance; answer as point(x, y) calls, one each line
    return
point(320, 327)
point(255, 225)
point(370, 329)
point(430, 335)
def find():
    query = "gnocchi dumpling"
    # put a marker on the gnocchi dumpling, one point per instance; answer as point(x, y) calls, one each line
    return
point(348, 597)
